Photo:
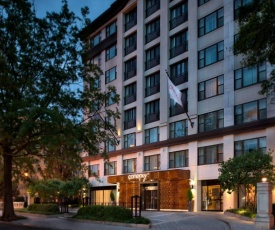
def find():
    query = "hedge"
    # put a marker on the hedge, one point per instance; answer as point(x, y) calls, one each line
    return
point(44, 208)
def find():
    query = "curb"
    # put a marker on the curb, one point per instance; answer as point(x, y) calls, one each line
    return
point(147, 226)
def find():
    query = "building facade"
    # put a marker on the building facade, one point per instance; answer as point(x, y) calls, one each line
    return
point(165, 148)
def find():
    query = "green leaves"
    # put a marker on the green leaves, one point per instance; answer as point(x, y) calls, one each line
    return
point(246, 170)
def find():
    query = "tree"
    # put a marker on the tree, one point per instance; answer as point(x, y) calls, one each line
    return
point(40, 59)
point(256, 38)
point(246, 170)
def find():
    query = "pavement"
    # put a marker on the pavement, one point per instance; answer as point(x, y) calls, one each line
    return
point(165, 220)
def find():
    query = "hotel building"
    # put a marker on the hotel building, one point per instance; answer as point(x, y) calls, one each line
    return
point(165, 148)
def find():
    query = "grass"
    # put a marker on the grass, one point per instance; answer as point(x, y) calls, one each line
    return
point(243, 212)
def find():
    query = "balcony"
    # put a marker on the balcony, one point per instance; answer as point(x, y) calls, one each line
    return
point(178, 20)
point(129, 99)
point(152, 90)
point(150, 10)
point(152, 63)
point(130, 48)
point(129, 124)
point(176, 110)
point(151, 117)
point(179, 79)
point(180, 49)
point(129, 74)
point(151, 36)
point(130, 24)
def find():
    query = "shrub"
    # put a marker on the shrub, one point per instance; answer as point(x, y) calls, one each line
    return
point(44, 208)
point(243, 212)
point(19, 199)
point(109, 213)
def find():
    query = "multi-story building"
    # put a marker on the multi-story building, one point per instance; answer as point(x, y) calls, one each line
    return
point(164, 147)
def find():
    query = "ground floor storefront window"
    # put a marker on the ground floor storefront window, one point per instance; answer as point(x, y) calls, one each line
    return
point(101, 195)
point(212, 196)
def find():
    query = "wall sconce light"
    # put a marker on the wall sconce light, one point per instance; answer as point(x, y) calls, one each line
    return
point(264, 179)
point(191, 183)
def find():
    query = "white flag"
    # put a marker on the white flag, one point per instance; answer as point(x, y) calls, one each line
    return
point(174, 92)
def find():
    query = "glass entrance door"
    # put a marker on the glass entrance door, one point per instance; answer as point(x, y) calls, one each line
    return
point(151, 197)
point(211, 196)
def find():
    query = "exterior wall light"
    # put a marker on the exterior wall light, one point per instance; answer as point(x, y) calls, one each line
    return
point(264, 179)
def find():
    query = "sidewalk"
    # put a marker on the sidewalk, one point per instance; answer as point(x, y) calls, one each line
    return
point(160, 220)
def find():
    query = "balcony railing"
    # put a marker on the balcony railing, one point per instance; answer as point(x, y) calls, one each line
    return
point(129, 124)
point(179, 79)
point(152, 9)
point(176, 110)
point(151, 36)
point(178, 20)
point(152, 90)
point(151, 117)
point(130, 24)
point(175, 51)
point(130, 49)
point(129, 99)
point(152, 63)
point(129, 74)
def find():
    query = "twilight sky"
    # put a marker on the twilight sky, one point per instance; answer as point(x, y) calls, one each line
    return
point(96, 6)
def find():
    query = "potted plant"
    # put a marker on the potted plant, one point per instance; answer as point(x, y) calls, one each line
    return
point(112, 197)
point(190, 197)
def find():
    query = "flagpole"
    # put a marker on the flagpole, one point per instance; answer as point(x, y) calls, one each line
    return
point(191, 123)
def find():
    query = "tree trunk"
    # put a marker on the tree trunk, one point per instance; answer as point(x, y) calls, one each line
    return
point(8, 211)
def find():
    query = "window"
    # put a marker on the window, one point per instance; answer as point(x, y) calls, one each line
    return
point(178, 44)
point(130, 44)
point(178, 129)
point(95, 83)
point(94, 170)
point(96, 60)
point(211, 22)
point(251, 111)
point(178, 159)
point(238, 4)
point(110, 52)
point(129, 166)
point(250, 75)
point(151, 135)
point(152, 163)
point(130, 118)
point(210, 154)
point(175, 108)
point(111, 98)
point(211, 55)
point(179, 72)
point(129, 140)
point(111, 29)
point(95, 40)
point(211, 121)
point(178, 15)
point(110, 145)
point(110, 168)
point(246, 146)
point(152, 30)
point(152, 6)
point(211, 88)
point(110, 75)
point(201, 2)
point(152, 57)
point(151, 111)
point(152, 84)
point(130, 19)
point(130, 93)
point(130, 68)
